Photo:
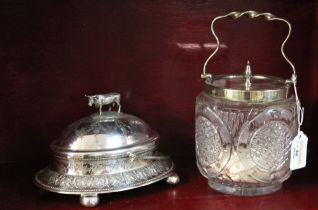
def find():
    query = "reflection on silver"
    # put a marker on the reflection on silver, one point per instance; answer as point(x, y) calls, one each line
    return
point(173, 179)
point(105, 99)
point(104, 153)
point(89, 200)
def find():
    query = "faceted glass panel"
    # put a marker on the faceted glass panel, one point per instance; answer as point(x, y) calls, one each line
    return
point(244, 148)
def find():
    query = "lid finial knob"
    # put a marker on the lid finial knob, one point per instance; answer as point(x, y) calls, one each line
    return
point(104, 99)
point(248, 75)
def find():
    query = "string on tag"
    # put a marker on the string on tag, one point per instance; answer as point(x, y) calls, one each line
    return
point(300, 110)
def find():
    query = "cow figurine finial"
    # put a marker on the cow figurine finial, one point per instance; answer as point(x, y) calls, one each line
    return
point(104, 99)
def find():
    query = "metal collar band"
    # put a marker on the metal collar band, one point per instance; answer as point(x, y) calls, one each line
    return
point(220, 87)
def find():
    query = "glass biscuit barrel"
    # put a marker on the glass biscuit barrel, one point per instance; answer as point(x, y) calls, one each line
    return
point(245, 124)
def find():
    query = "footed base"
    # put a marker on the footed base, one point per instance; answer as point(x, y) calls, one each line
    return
point(248, 190)
point(173, 179)
point(89, 200)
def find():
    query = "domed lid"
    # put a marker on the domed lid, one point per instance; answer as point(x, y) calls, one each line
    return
point(111, 132)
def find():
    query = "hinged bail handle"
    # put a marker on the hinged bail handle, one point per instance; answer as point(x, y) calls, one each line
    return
point(268, 17)
point(250, 14)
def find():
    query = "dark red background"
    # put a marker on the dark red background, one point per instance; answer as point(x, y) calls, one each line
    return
point(54, 52)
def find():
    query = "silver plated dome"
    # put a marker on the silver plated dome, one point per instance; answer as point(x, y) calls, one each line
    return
point(103, 153)
point(111, 132)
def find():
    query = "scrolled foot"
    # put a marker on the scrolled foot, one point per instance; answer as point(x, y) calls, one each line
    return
point(89, 200)
point(173, 179)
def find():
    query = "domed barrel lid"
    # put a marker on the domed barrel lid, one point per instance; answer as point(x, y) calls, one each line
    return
point(108, 132)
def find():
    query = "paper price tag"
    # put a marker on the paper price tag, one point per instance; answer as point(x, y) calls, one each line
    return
point(298, 151)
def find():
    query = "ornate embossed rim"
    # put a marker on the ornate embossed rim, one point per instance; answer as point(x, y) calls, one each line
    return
point(162, 176)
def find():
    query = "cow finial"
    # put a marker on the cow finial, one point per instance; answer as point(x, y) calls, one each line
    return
point(100, 100)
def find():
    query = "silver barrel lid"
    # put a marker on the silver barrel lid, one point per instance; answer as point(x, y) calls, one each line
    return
point(248, 88)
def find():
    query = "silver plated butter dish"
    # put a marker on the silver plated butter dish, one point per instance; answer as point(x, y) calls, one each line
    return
point(103, 153)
